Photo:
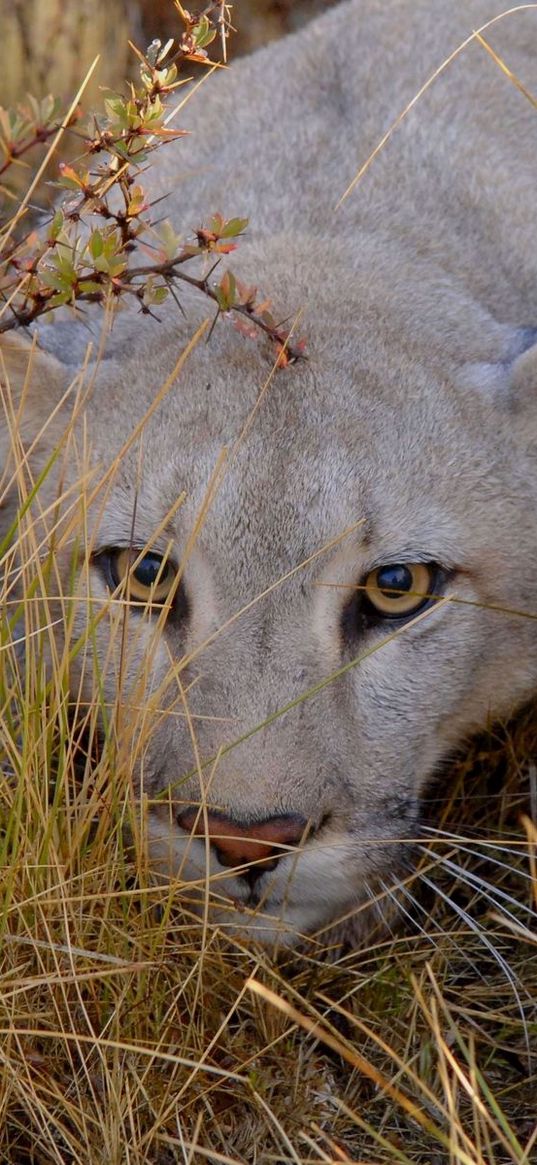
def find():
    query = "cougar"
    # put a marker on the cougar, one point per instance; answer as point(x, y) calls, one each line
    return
point(323, 573)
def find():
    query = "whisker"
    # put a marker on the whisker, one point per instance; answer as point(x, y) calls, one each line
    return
point(391, 894)
point(440, 929)
point(496, 862)
point(513, 847)
point(474, 926)
point(402, 888)
point(488, 889)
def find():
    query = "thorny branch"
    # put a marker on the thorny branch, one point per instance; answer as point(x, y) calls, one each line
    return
point(71, 262)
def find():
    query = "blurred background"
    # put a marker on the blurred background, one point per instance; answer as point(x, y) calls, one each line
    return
point(47, 45)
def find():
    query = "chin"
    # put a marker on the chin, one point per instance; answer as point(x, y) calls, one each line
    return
point(316, 899)
point(282, 926)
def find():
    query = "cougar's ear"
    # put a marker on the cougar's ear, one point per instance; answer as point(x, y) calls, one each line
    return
point(523, 383)
point(33, 414)
point(509, 383)
point(32, 386)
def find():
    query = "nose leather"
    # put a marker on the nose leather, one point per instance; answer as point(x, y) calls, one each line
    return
point(239, 843)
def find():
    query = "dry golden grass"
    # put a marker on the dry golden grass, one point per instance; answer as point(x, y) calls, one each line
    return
point(132, 1032)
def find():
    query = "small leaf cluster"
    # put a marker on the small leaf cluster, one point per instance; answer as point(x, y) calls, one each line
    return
point(28, 125)
point(103, 244)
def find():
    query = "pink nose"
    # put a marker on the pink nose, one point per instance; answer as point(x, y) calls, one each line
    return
point(238, 845)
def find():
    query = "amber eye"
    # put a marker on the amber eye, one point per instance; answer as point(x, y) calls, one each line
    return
point(399, 588)
point(149, 578)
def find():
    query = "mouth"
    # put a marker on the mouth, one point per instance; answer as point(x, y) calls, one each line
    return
point(299, 893)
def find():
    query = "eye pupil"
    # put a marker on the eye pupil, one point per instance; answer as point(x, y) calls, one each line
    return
point(149, 578)
point(399, 590)
point(394, 577)
point(148, 569)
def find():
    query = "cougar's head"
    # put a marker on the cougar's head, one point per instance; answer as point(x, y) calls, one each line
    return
point(298, 598)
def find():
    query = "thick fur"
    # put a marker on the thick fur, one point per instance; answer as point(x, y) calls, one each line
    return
point(412, 425)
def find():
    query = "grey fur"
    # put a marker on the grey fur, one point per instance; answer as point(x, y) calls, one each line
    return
point(414, 422)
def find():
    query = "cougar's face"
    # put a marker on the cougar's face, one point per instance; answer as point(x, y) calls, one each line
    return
point(326, 614)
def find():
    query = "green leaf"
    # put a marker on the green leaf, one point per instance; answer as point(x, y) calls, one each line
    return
point(64, 263)
point(116, 267)
point(203, 33)
point(50, 108)
point(226, 291)
point(102, 264)
point(169, 240)
point(96, 244)
point(89, 285)
point(160, 294)
point(116, 109)
point(137, 201)
point(52, 279)
point(217, 224)
point(56, 226)
point(154, 293)
point(69, 177)
point(34, 106)
point(233, 227)
point(170, 75)
point(61, 298)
